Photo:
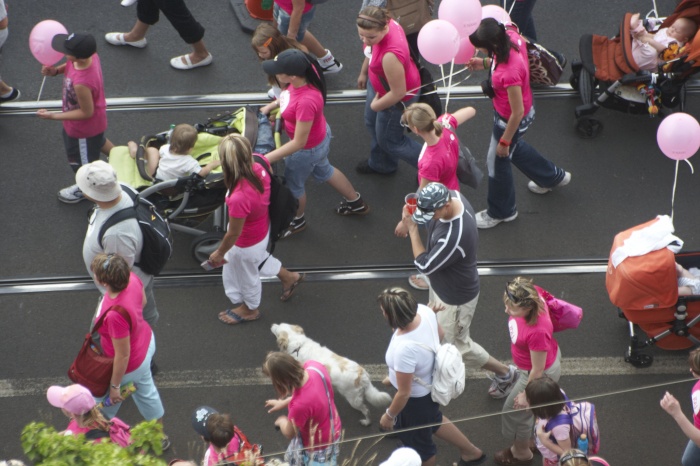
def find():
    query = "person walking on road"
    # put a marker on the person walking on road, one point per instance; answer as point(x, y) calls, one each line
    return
point(7, 93)
point(98, 182)
point(449, 261)
point(176, 11)
point(514, 112)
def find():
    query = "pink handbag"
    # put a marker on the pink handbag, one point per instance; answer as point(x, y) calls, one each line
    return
point(564, 315)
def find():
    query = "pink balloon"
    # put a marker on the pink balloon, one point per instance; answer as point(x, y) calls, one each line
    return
point(438, 41)
point(495, 12)
point(678, 136)
point(40, 41)
point(465, 15)
point(465, 52)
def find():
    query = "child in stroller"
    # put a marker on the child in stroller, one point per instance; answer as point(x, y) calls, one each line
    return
point(173, 160)
point(647, 46)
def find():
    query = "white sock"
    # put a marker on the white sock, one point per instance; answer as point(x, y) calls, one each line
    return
point(328, 58)
point(4, 96)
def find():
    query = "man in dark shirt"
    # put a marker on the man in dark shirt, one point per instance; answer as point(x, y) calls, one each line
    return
point(449, 260)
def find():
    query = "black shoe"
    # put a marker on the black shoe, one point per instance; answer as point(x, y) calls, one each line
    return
point(165, 443)
point(14, 95)
point(356, 207)
point(298, 225)
point(154, 368)
point(363, 168)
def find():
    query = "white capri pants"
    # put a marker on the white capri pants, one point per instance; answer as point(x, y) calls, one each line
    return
point(241, 276)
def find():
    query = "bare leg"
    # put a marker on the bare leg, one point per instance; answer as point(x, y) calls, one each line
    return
point(496, 366)
point(138, 32)
point(4, 88)
point(521, 449)
point(313, 44)
point(302, 205)
point(451, 434)
point(340, 183)
point(107, 147)
point(288, 278)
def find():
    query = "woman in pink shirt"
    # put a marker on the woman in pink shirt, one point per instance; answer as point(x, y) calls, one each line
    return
point(514, 112)
point(536, 353)
point(243, 251)
point(392, 82)
point(126, 337)
point(307, 393)
point(306, 153)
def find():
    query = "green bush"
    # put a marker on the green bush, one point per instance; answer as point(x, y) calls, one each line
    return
point(46, 447)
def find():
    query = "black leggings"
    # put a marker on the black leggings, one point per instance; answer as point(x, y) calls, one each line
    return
point(148, 11)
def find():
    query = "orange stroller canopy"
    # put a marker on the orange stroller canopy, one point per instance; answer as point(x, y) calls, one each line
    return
point(642, 282)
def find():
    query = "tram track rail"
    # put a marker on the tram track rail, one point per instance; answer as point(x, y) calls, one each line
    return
point(223, 101)
point(71, 283)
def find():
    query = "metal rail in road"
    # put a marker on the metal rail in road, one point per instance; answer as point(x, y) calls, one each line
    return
point(131, 104)
point(327, 273)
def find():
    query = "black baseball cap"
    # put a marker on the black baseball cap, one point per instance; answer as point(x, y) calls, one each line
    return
point(199, 420)
point(292, 61)
point(78, 45)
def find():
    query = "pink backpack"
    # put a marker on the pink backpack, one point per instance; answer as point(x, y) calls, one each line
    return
point(564, 315)
point(119, 433)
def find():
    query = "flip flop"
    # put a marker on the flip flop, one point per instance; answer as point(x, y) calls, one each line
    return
point(290, 291)
point(237, 319)
point(505, 457)
point(178, 64)
point(412, 280)
point(475, 462)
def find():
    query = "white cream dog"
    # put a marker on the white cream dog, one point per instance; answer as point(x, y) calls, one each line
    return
point(347, 376)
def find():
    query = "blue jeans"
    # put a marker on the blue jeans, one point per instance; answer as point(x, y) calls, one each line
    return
point(501, 197)
point(389, 139)
point(306, 162)
point(282, 19)
point(522, 16)
point(691, 455)
point(266, 139)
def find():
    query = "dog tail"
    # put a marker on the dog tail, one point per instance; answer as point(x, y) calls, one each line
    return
point(377, 398)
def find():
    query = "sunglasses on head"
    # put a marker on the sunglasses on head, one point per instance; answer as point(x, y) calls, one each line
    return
point(105, 264)
point(510, 295)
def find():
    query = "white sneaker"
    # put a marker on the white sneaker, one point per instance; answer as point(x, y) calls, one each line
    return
point(334, 67)
point(502, 386)
point(532, 186)
point(128, 2)
point(71, 195)
point(484, 220)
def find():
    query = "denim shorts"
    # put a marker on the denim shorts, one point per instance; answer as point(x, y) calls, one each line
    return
point(282, 20)
point(301, 164)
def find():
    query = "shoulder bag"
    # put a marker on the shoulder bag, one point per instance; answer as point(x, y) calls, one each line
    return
point(91, 368)
point(412, 15)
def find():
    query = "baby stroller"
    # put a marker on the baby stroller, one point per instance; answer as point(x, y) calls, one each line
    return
point(645, 290)
point(189, 201)
point(607, 75)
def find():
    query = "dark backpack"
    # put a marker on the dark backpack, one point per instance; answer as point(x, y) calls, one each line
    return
point(157, 238)
point(283, 205)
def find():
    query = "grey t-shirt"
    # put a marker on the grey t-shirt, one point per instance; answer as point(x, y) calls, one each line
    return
point(450, 257)
point(124, 238)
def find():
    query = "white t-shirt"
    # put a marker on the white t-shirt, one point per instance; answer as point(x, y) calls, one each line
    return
point(405, 355)
point(173, 166)
point(3, 10)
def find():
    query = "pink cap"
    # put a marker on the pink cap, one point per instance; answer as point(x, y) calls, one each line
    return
point(75, 399)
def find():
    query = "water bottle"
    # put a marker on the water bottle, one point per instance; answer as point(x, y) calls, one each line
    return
point(124, 392)
point(170, 132)
point(582, 443)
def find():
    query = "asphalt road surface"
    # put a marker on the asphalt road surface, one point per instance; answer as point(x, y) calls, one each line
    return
point(619, 180)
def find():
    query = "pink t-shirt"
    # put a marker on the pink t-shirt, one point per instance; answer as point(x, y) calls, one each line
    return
point(309, 407)
point(115, 326)
point(525, 338)
point(287, 6)
point(439, 162)
point(213, 457)
point(90, 77)
point(560, 433)
point(516, 72)
point(393, 42)
point(695, 396)
point(304, 103)
point(247, 202)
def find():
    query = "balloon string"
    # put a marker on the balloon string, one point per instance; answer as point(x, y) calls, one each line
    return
point(673, 195)
point(449, 86)
point(692, 172)
point(41, 89)
point(511, 6)
point(442, 73)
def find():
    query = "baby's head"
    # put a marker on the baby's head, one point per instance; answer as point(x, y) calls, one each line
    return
point(183, 139)
point(214, 427)
point(683, 30)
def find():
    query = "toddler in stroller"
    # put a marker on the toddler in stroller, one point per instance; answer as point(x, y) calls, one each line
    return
point(172, 160)
point(609, 75)
point(647, 46)
point(652, 289)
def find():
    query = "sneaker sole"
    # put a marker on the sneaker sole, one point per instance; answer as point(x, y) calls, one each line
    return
point(293, 232)
point(352, 212)
point(333, 71)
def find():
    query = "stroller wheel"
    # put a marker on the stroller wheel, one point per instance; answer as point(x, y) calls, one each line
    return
point(640, 360)
point(204, 245)
point(588, 127)
point(585, 86)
